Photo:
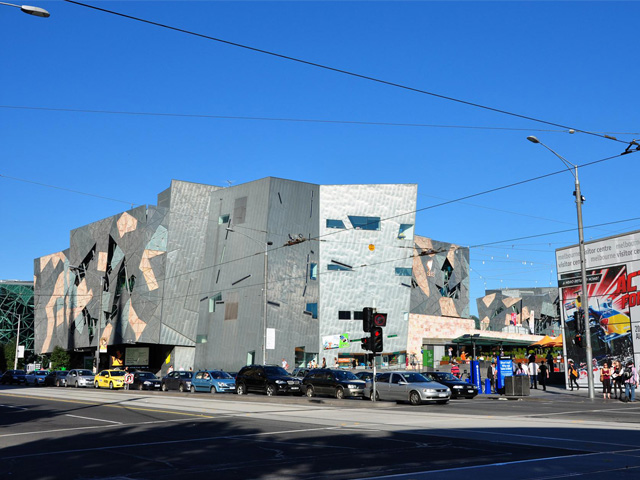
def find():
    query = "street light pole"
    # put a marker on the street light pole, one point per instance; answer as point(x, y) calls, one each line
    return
point(15, 361)
point(583, 266)
point(264, 291)
point(35, 11)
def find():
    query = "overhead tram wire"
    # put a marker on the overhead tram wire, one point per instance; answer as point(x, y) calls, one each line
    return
point(344, 72)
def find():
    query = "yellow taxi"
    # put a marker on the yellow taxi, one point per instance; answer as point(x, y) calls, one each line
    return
point(109, 379)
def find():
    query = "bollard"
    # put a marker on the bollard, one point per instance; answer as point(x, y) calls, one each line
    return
point(487, 385)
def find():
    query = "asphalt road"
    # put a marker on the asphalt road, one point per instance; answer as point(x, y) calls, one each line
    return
point(50, 433)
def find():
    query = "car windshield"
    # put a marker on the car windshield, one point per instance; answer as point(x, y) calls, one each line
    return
point(276, 371)
point(117, 373)
point(62, 374)
point(147, 375)
point(345, 375)
point(224, 375)
point(446, 377)
point(414, 378)
point(85, 373)
point(185, 374)
point(41, 372)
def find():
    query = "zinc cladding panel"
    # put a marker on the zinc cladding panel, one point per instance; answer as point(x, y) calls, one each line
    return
point(187, 226)
point(371, 286)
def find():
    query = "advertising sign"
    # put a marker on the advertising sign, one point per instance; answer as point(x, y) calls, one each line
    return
point(20, 351)
point(505, 369)
point(344, 340)
point(427, 358)
point(475, 377)
point(103, 344)
point(613, 278)
point(138, 356)
point(271, 338)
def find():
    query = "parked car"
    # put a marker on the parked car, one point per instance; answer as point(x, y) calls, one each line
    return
point(409, 387)
point(57, 379)
point(337, 383)
point(177, 380)
point(36, 377)
point(364, 376)
point(13, 376)
point(145, 381)
point(213, 381)
point(109, 378)
point(269, 379)
point(80, 378)
point(458, 387)
point(300, 372)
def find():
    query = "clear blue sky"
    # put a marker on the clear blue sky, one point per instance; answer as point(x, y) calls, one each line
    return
point(571, 63)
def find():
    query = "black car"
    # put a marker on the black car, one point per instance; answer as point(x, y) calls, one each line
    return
point(300, 372)
point(458, 387)
point(337, 383)
point(57, 379)
point(13, 376)
point(177, 380)
point(269, 379)
point(145, 381)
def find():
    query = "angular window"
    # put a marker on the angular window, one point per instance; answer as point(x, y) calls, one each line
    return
point(313, 309)
point(313, 271)
point(450, 287)
point(239, 210)
point(344, 315)
point(365, 223)
point(201, 339)
point(223, 219)
point(336, 266)
point(213, 299)
point(403, 272)
point(335, 223)
point(406, 231)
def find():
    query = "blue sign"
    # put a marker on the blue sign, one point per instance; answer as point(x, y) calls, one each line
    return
point(475, 375)
point(505, 369)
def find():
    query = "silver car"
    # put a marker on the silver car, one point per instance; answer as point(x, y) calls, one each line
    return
point(409, 387)
point(80, 378)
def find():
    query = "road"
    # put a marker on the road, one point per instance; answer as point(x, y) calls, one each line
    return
point(50, 433)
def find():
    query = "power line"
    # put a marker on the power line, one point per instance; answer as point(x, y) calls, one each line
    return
point(344, 72)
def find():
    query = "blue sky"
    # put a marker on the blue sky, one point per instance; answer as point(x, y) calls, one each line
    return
point(570, 63)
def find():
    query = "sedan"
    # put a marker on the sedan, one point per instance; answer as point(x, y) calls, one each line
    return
point(213, 381)
point(80, 378)
point(57, 378)
point(177, 380)
point(458, 387)
point(110, 378)
point(409, 387)
point(13, 376)
point(145, 381)
point(337, 383)
point(36, 377)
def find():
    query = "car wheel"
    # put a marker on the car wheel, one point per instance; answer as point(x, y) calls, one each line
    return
point(414, 398)
point(271, 390)
point(192, 389)
point(164, 387)
point(339, 393)
point(57, 383)
point(213, 390)
point(140, 387)
point(241, 389)
point(77, 385)
point(442, 402)
point(181, 387)
point(310, 392)
point(110, 385)
point(377, 397)
point(96, 385)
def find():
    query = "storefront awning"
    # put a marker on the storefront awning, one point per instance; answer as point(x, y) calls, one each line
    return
point(485, 341)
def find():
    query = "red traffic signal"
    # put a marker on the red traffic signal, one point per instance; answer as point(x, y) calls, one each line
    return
point(376, 340)
point(380, 320)
point(366, 344)
point(578, 340)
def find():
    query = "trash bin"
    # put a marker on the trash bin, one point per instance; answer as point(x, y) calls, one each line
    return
point(517, 386)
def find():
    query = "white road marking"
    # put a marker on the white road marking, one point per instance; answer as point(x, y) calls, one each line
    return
point(93, 419)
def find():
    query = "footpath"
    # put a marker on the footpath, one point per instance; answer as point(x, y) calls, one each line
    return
point(556, 393)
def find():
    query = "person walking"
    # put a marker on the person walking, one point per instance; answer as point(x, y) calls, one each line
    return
point(605, 378)
point(616, 379)
point(455, 369)
point(630, 376)
point(520, 370)
point(550, 361)
point(492, 375)
point(573, 375)
point(544, 374)
point(533, 372)
point(324, 362)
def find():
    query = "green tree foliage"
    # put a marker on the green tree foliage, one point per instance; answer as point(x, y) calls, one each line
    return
point(60, 359)
point(10, 354)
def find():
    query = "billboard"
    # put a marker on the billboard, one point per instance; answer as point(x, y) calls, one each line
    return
point(137, 356)
point(613, 289)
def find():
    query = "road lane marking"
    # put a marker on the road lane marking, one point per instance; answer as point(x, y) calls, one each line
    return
point(93, 419)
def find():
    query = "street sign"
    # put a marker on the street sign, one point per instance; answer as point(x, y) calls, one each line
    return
point(128, 378)
point(20, 351)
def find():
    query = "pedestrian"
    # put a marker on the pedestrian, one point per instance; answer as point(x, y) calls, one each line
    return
point(573, 375)
point(336, 364)
point(324, 362)
point(533, 372)
point(354, 363)
point(455, 369)
point(450, 353)
point(550, 361)
point(492, 375)
point(463, 357)
point(170, 369)
point(544, 374)
point(616, 379)
point(630, 376)
point(605, 378)
point(520, 369)
point(532, 357)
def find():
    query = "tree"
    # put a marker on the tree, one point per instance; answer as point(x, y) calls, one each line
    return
point(10, 353)
point(60, 359)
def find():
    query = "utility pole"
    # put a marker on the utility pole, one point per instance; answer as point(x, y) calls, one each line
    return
point(15, 361)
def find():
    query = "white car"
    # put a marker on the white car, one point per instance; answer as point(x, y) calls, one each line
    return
point(80, 378)
point(409, 387)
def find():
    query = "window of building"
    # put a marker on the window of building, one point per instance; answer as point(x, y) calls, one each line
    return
point(239, 210)
point(406, 231)
point(335, 223)
point(201, 339)
point(365, 223)
point(403, 272)
point(217, 297)
point(313, 271)
point(231, 306)
point(335, 266)
point(313, 308)
point(357, 315)
point(449, 288)
point(223, 218)
point(344, 315)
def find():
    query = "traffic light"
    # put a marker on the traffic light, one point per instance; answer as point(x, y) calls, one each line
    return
point(578, 316)
point(578, 340)
point(367, 319)
point(376, 340)
point(366, 344)
point(380, 320)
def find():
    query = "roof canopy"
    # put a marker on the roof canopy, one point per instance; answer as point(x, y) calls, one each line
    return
point(487, 341)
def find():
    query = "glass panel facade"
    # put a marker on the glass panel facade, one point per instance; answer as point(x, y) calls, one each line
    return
point(403, 272)
point(335, 223)
point(333, 266)
point(406, 231)
point(365, 223)
point(313, 308)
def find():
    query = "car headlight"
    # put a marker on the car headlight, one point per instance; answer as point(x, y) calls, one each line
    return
point(458, 386)
point(352, 386)
point(280, 381)
point(147, 382)
point(222, 384)
point(429, 390)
